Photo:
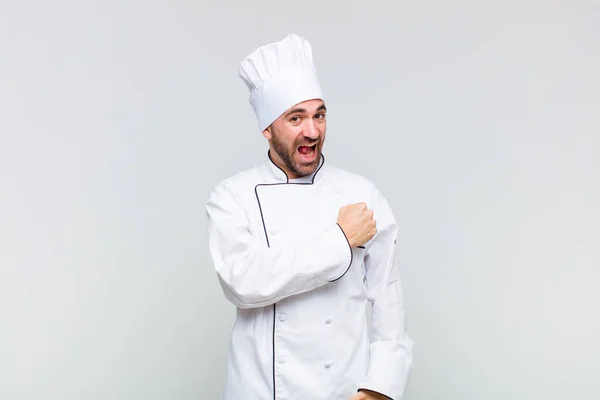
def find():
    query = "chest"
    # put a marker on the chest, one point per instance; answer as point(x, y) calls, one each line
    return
point(288, 213)
point(291, 212)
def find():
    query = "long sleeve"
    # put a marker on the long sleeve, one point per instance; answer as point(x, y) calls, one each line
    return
point(255, 275)
point(391, 347)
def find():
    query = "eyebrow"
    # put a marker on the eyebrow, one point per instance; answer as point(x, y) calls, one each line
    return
point(303, 110)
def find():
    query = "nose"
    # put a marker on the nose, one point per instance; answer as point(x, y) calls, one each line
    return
point(310, 129)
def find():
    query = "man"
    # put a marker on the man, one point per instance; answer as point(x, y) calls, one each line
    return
point(301, 248)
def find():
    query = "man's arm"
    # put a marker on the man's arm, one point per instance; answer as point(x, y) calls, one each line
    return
point(254, 275)
point(391, 347)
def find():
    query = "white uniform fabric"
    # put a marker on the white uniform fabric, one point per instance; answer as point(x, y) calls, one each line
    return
point(280, 75)
point(302, 293)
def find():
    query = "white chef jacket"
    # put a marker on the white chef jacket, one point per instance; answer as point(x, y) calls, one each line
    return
point(301, 329)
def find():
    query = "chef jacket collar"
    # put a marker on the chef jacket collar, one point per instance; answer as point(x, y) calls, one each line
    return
point(281, 177)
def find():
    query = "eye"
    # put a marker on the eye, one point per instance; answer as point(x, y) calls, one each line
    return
point(320, 116)
point(295, 119)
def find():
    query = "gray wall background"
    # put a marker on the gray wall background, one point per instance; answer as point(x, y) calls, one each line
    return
point(478, 121)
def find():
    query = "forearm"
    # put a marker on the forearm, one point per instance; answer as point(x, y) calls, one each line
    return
point(254, 275)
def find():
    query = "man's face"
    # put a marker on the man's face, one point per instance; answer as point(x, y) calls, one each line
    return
point(296, 138)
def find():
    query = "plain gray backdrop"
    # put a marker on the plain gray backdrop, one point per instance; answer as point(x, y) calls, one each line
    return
point(479, 121)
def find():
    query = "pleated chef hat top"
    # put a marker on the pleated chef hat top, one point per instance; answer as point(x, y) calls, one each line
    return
point(280, 75)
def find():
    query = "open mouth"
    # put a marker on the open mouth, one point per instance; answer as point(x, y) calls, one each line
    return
point(307, 153)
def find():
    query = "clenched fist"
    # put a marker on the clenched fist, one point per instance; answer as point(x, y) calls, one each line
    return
point(357, 222)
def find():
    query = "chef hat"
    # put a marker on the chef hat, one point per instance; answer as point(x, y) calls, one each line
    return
point(279, 76)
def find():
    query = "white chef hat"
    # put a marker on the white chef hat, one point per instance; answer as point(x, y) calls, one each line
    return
point(279, 76)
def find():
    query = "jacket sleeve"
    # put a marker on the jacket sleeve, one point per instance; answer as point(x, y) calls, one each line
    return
point(391, 348)
point(252, 274)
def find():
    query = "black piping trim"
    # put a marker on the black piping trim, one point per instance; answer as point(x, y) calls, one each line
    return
point(384, 395)
point(261, 213)
point(351, 254)
point(274, 314)
point(361, 247)
point(287, 182)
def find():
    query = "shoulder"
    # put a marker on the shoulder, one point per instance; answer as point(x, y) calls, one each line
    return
point(349, 178)
point(235, 183)
point(361, 186)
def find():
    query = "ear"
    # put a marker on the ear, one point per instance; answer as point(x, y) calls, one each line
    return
point(267, 133)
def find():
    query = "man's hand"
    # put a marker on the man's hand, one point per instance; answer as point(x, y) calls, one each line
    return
point(357, 222)
point(368, 395)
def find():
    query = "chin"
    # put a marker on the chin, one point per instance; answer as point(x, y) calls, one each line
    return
point(307, 169)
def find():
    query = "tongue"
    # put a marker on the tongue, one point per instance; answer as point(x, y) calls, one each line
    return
point(304, 150)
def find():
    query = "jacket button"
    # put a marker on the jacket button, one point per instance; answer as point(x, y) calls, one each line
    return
point(282, 317)
point(328, 321)
point(328, 365)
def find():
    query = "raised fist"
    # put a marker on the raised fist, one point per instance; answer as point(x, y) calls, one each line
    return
point(357, 222)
